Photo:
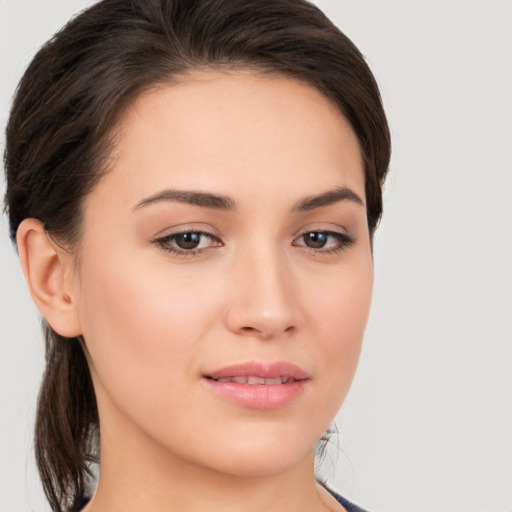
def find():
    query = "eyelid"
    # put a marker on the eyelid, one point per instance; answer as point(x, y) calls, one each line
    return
point(188, 228)
point(165, 238)
point(321, 226)
point(344, 239)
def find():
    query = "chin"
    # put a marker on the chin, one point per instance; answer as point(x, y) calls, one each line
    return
point(258, 451)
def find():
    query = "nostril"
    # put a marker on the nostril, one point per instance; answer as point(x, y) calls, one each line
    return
point(265, 333)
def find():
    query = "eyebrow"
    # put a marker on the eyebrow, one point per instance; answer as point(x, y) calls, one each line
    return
point(203, 199)
point(326, 199)
point(221, 202)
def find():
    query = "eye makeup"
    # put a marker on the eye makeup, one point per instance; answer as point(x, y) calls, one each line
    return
point(188, 243)
point(325, 242)
point(192, 243)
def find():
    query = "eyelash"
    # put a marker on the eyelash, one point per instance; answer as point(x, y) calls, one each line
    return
point(165, 243)
point(344, 242)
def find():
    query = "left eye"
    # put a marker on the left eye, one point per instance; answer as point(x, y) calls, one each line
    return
point(326, 240)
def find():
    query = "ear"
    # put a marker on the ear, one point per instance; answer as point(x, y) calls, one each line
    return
point(48, 272)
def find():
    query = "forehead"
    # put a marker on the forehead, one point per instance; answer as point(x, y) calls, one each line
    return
point(235, 133)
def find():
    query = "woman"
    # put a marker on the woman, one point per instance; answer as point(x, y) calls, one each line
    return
point(193, 188)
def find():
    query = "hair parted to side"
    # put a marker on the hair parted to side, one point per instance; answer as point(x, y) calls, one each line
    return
point(59, 137)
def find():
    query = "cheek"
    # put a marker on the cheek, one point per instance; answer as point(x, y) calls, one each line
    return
point(141, 324)
point(338, 315)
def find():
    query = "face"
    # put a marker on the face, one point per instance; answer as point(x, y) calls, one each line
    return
point(225, 274)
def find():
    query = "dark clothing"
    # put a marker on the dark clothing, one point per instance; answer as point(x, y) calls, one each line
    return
point(350, 507)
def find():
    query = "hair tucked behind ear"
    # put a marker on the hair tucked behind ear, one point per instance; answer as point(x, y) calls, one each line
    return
point(59, 138)
point(66, 413)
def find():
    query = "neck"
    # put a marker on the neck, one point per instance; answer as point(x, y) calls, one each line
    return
point(138, 475)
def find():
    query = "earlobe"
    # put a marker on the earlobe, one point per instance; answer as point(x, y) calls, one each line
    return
point(46, 269)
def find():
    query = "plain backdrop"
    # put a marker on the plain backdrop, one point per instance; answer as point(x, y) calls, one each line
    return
point(427, 425)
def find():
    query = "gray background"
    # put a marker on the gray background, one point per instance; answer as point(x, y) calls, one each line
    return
point(427, 425)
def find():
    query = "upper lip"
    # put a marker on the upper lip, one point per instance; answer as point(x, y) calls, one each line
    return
point(265, 370)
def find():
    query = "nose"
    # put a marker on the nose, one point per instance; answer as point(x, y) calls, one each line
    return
point(263, 300)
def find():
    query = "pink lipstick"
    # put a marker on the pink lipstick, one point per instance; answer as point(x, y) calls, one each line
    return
point(259, 385)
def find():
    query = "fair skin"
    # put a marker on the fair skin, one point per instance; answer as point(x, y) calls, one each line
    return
point(266, 275)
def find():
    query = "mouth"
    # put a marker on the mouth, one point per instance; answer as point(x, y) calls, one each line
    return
point(258, 385)
point(252, 380)
point(253, 372)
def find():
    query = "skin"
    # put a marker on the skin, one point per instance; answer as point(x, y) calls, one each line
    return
point(155, 322)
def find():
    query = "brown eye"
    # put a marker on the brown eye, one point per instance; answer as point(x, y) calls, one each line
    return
point(188, 243)
point(324, 241)
point(315, 240)
point(188, 240)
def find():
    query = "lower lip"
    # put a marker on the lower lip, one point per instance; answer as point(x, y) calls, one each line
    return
point(259, 396)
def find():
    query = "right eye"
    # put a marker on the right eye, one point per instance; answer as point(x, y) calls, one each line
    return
point(188, 243)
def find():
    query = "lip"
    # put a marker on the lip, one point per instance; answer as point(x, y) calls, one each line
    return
point(259, 396)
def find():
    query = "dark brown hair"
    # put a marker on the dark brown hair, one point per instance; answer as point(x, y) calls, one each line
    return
point(58, 141)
